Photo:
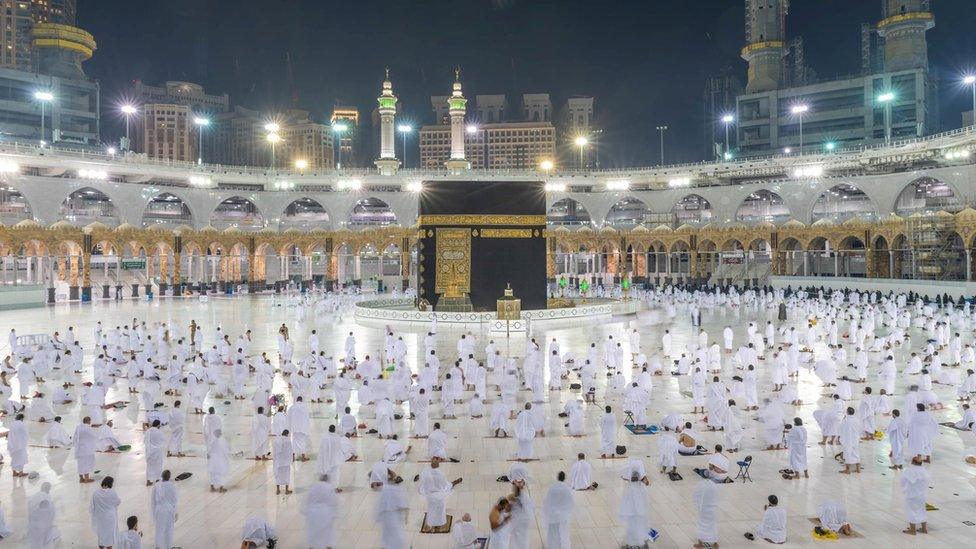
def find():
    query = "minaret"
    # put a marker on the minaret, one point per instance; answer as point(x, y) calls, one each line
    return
point(903, 30)
point(456, 108)
point(387, 162)
point(765, 43)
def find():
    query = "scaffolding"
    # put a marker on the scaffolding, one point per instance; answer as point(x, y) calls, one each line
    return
point(933, 255)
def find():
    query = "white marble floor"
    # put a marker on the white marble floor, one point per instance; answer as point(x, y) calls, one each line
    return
point(214, 520)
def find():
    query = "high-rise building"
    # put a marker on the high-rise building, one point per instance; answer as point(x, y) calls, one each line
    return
point(490, 108)
point(16, 21)
point(303, 139)
point(168, 132)
point(348, 139)
point(578, 116)
point(439, 104)
point(181, 93)
point(240, 138)
point(898, 100)
point(536, 107)
point(506, 145)
point(62, 12)
point(718, 100)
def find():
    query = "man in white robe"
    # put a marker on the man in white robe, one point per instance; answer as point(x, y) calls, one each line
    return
point(391, 507)
point(320, 513)
point(524, 433)
point(773, 525)
point(299, 425)
point(435, 488)
point(850, 441)
point(155, 442)
point(921, 428)
point(260, 433)
point(833, 517)
point(283, 453)
point(104, 512)
point(897, 433)
point(257, 532)
point(796, 441)
point(163, 504)
point(914, 483)
point(17, 446)
point(705, 500)
point(218, 462)
point(635, 507)
point(581, 475)
point(41, 514)
point(608, 433)
point(463, 533)
point(558, 509)
point(85, 440)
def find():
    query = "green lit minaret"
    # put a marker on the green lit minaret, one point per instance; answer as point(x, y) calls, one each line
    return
point(457, 108)
point(387, 162)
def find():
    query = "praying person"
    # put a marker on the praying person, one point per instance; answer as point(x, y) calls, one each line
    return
point(104, 511)
point(558, 510)
point(773, 525)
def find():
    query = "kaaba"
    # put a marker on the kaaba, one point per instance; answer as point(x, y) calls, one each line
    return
point(476, 238)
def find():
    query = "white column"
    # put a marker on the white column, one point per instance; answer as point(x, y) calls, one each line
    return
point(969, 265)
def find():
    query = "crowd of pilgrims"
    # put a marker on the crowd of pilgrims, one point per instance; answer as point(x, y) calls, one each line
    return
point(845, 339)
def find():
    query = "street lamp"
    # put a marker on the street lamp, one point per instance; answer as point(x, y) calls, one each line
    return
point(273, 138)
point(662, 129)
point(581, 142)
point(887, 99)
point(727, 119)
point(127, 111)
point(546, 166)
point(43, 97)
point(200, 122)
point(338, 128)
point(404, 129)
point(301, 164)
point(799, 111)
point(970, 80)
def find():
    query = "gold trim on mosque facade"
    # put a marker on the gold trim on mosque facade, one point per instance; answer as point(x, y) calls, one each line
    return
point(453, 261)
point(482, 220)
point(505, 233)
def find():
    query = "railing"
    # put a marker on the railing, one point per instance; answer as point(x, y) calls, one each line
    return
point(847, 155)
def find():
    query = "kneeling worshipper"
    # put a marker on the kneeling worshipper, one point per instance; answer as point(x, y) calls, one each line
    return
point(773, 525)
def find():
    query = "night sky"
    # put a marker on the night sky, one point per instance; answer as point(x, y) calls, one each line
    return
point(645, 61)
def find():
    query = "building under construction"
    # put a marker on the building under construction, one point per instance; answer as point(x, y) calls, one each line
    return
point(893, 96)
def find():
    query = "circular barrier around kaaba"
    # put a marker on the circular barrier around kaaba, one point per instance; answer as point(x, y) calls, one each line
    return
point(402, 311)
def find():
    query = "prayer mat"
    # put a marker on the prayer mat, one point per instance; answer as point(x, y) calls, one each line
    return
point(854, 534)
point(930, 507)
point(614, 457)
point(183, 476)
point(480, 543)
point(445, 529)
point(642, 429)
point(952, 426)
point(523, 460)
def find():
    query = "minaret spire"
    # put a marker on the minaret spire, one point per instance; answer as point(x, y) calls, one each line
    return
point(457, 109)
point(387, 162)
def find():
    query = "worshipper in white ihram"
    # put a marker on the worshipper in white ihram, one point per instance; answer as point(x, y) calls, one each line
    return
point(914, 483)
point(104, 511)
point(705, 499)
point(635, 508)
point(391, 509)
point(218, 462)
point(319, 509)
point(557, 507)
point(435, 488)
point(773, 525)
point(41, 515)
point(163, 503)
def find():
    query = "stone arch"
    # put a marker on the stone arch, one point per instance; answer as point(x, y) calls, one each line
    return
point(627, 211)
point(926, 195)
point(87, 205)
point(14, 206)
point(763, 205)
point(842, 202)
point(371, 212)
point(692, 208)
point(568, 212)
point(237, 212)
point(305, 214)
point(166, 210)
point(790, 257)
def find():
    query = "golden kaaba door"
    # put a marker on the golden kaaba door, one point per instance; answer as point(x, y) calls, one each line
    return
point(453, 257)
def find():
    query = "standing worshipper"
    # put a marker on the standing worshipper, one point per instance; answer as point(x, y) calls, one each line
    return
point(390, 513)
point(17, 446)
point(897, 432)
point(850, 440)
point(300, 426)
point(608, 433)
point(558, 508)
point(41, 514)
point(85, 440)
point(914, 482)
point(260, 433)
point(104, 510)
point(319, 509)
point(163, 503)
point(218, 462)
point(705, 500)
point(131, 538)
point(524, 433)
point(177, 423)
point(635, 509)
point(284, 454)
point(796, 441)
point(155, 442)
point(435, 488)
point(921, 428)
